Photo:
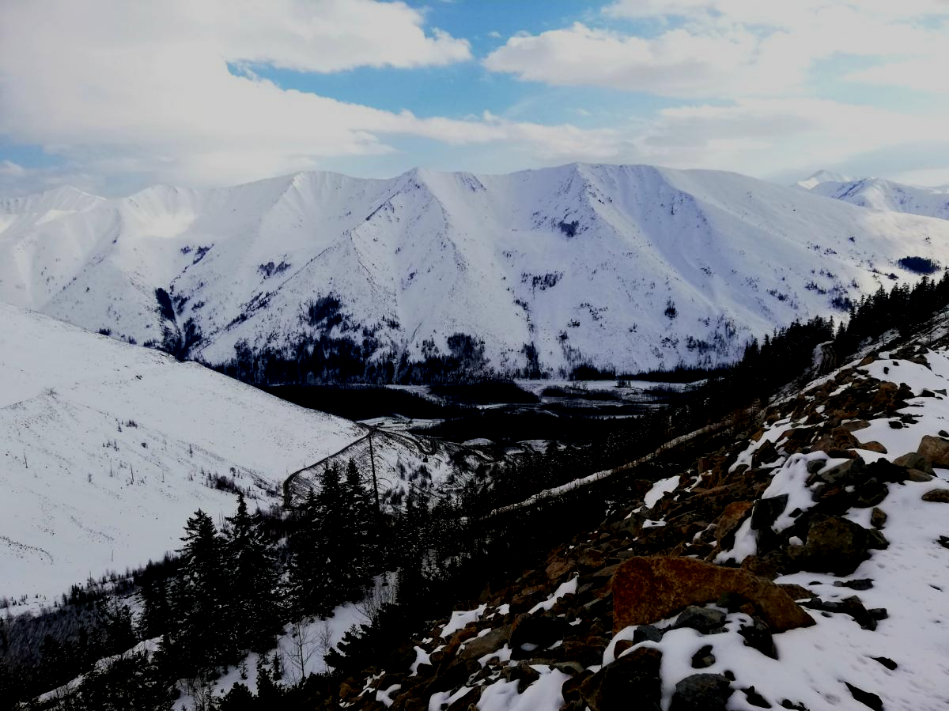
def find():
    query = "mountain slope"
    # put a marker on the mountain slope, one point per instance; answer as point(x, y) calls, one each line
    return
point(107, 448)
point(803, 563)
point(881, 194)
point(632, 267)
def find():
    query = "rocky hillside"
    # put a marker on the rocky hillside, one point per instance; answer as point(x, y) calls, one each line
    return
point(323, 276)
point(803, 565)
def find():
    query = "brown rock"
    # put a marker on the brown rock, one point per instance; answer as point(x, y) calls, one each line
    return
point(914, 460)
point(839, 438)
point(878, 518)
point(796, 592)
point(731, 519)
point(935, 449)
point(918, 476)
point(647, 589)
point(940, 496)
point(873, 446)
point(856, 425)
point(558, 568)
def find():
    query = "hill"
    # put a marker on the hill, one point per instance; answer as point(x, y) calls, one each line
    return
point(106, 448)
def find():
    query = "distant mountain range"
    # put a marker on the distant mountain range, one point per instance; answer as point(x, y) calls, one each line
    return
point(881, 194)
point(625, 267)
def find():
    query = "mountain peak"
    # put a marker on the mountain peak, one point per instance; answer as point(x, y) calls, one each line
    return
point(823, 176)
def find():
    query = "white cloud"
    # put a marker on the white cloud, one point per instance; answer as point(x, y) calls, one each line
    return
point(8, 168)
point(676, 63)
point(761, 136)
point(733, 48)
point(148, 89)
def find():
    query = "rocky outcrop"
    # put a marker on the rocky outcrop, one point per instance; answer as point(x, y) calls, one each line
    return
point(647, 589)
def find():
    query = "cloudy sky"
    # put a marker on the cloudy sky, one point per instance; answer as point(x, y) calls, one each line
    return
point(113, 95)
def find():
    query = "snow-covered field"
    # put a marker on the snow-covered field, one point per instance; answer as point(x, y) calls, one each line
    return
point(635, 267)
point(106, 449)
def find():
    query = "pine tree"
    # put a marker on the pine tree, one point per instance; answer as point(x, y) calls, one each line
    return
point(358, 534)
point(252, 604)
point(198, 638)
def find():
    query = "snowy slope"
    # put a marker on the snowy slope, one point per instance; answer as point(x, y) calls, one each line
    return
point(106, 449)
point(628, 266)
point(881, 194)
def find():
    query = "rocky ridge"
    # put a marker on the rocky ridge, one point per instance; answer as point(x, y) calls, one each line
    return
point(803, 566)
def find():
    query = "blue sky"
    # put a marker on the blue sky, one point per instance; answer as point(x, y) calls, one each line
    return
point(113, 96)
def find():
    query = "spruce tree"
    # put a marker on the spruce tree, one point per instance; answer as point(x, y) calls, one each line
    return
point(252, 604)
point(198, 638)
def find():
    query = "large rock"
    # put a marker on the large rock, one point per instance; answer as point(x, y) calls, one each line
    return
point(632, 680)
point(915, 460)
point(935, 449)
point(940, 496)
point(834, 545)
point(646, 589)
point(486, 644)
point(701, 692)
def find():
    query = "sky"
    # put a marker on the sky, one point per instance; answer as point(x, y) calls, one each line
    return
point(112, 96)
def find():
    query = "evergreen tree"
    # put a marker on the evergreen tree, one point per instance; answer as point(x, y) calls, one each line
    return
point(198, 637)
point(358, 535)
point(252, 604)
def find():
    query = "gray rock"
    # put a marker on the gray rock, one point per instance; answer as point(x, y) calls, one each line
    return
point(703, 619)
point(834, 545)
point(491, 642)
point(701, 692)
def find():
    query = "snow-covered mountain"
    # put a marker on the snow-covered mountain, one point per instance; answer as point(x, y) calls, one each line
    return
point(823, 176)
point(880, 194)
point(106, 449)
point(634, 267)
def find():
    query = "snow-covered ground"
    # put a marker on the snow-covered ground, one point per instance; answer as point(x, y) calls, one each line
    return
point(106, 449)
point(634, 267)
point(910, 578)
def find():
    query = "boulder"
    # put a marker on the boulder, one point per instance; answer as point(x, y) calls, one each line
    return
point(646, 589)
point(491, 642)
point(940, 496)
point(935, 449)
point(834, 545)
point(914, 460)
point(701, 692)
point(558, 568)
point(702, 619)
point(634, 676)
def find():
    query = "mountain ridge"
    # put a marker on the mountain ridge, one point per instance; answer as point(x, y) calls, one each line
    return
point(629, 268)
